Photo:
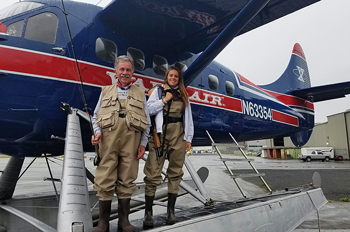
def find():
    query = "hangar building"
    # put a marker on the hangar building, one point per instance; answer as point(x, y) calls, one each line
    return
point(333, 133)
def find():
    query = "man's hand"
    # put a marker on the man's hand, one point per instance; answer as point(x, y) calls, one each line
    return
point(96, 139)
point(140, 152)
point(188, 146)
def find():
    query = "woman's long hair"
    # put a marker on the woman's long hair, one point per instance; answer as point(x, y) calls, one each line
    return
point(181, 85)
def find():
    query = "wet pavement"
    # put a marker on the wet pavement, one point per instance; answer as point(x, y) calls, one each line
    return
point(279, 174)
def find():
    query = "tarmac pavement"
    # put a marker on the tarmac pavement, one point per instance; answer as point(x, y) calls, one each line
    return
point(281, 174)
point(278, 174)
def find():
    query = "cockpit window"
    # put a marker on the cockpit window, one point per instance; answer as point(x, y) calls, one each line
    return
point(42, 28)
point(106, 50)
point(18, 8)
point(15, 29)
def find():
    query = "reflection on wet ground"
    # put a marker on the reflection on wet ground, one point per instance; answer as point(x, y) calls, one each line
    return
point(278, 174)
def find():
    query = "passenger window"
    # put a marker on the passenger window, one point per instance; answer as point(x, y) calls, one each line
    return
point(106, 50)
point(42, 28)
point(15, 29)
point(230, 88)
point(160, 65)
point(313, 152)
point(181, 66)
point(213, 82)
point(138, 57)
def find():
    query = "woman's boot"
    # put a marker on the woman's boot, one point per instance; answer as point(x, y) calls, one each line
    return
point(148, 219)
point(171, 208)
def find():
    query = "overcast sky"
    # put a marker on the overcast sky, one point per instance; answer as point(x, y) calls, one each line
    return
point(263, 54)
point(321, 29)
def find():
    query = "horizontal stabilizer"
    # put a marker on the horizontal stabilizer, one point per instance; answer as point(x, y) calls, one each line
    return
point(324, 92)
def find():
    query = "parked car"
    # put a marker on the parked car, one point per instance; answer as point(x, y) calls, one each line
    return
point(314, 155)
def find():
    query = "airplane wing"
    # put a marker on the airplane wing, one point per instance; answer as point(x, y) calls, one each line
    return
point(183, 25)
point(323, 93)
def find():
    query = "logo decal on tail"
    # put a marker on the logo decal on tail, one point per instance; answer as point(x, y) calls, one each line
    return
point(299, 72)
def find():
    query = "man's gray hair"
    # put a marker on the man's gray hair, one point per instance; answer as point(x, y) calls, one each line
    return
point(124, 58)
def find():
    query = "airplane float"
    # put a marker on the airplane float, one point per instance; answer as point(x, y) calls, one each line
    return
point(58, 51)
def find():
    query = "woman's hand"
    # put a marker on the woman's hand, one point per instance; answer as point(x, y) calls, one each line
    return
point(188, 146)
point(168, 96)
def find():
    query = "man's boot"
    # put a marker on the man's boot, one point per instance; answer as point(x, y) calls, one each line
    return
point(148, 219)
point(123, 215)
point(103, 220)
point(171, 208)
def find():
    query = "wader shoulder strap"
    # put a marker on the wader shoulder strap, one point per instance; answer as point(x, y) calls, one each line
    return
point(166, 125)
point(150, 91)
point(160, 91)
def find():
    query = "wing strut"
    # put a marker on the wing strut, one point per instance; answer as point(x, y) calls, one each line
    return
point(252, 8)
point(74, 212)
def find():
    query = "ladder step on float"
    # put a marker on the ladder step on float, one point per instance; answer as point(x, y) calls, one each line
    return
point(234, 176)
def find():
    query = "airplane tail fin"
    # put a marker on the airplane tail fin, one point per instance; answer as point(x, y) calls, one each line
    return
point(296, 75)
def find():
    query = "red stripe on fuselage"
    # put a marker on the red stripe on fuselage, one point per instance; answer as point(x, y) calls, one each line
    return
point(61, 68)
point(244, 80)
point(291, 100)
point(196, 96)
point(27, 62)
point(286, 99)
point(284, 118)
point(214, 100)
point(51, 66)
point(55, 67)
point(97, 75)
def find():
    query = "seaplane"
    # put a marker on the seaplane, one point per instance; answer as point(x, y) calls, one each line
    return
point(56, 55)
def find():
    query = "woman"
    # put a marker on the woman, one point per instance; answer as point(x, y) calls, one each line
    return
point(173, 122)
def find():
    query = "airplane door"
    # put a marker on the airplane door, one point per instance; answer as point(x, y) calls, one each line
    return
point(35, 73)
point(219, 101)
point(210, 112)
point(232, 117)
point(31, 49)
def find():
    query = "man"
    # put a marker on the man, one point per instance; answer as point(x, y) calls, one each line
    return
point(121, 126)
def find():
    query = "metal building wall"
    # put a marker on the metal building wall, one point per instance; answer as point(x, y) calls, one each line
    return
point(337, 134)
point(347, 123)
point(333, 133)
